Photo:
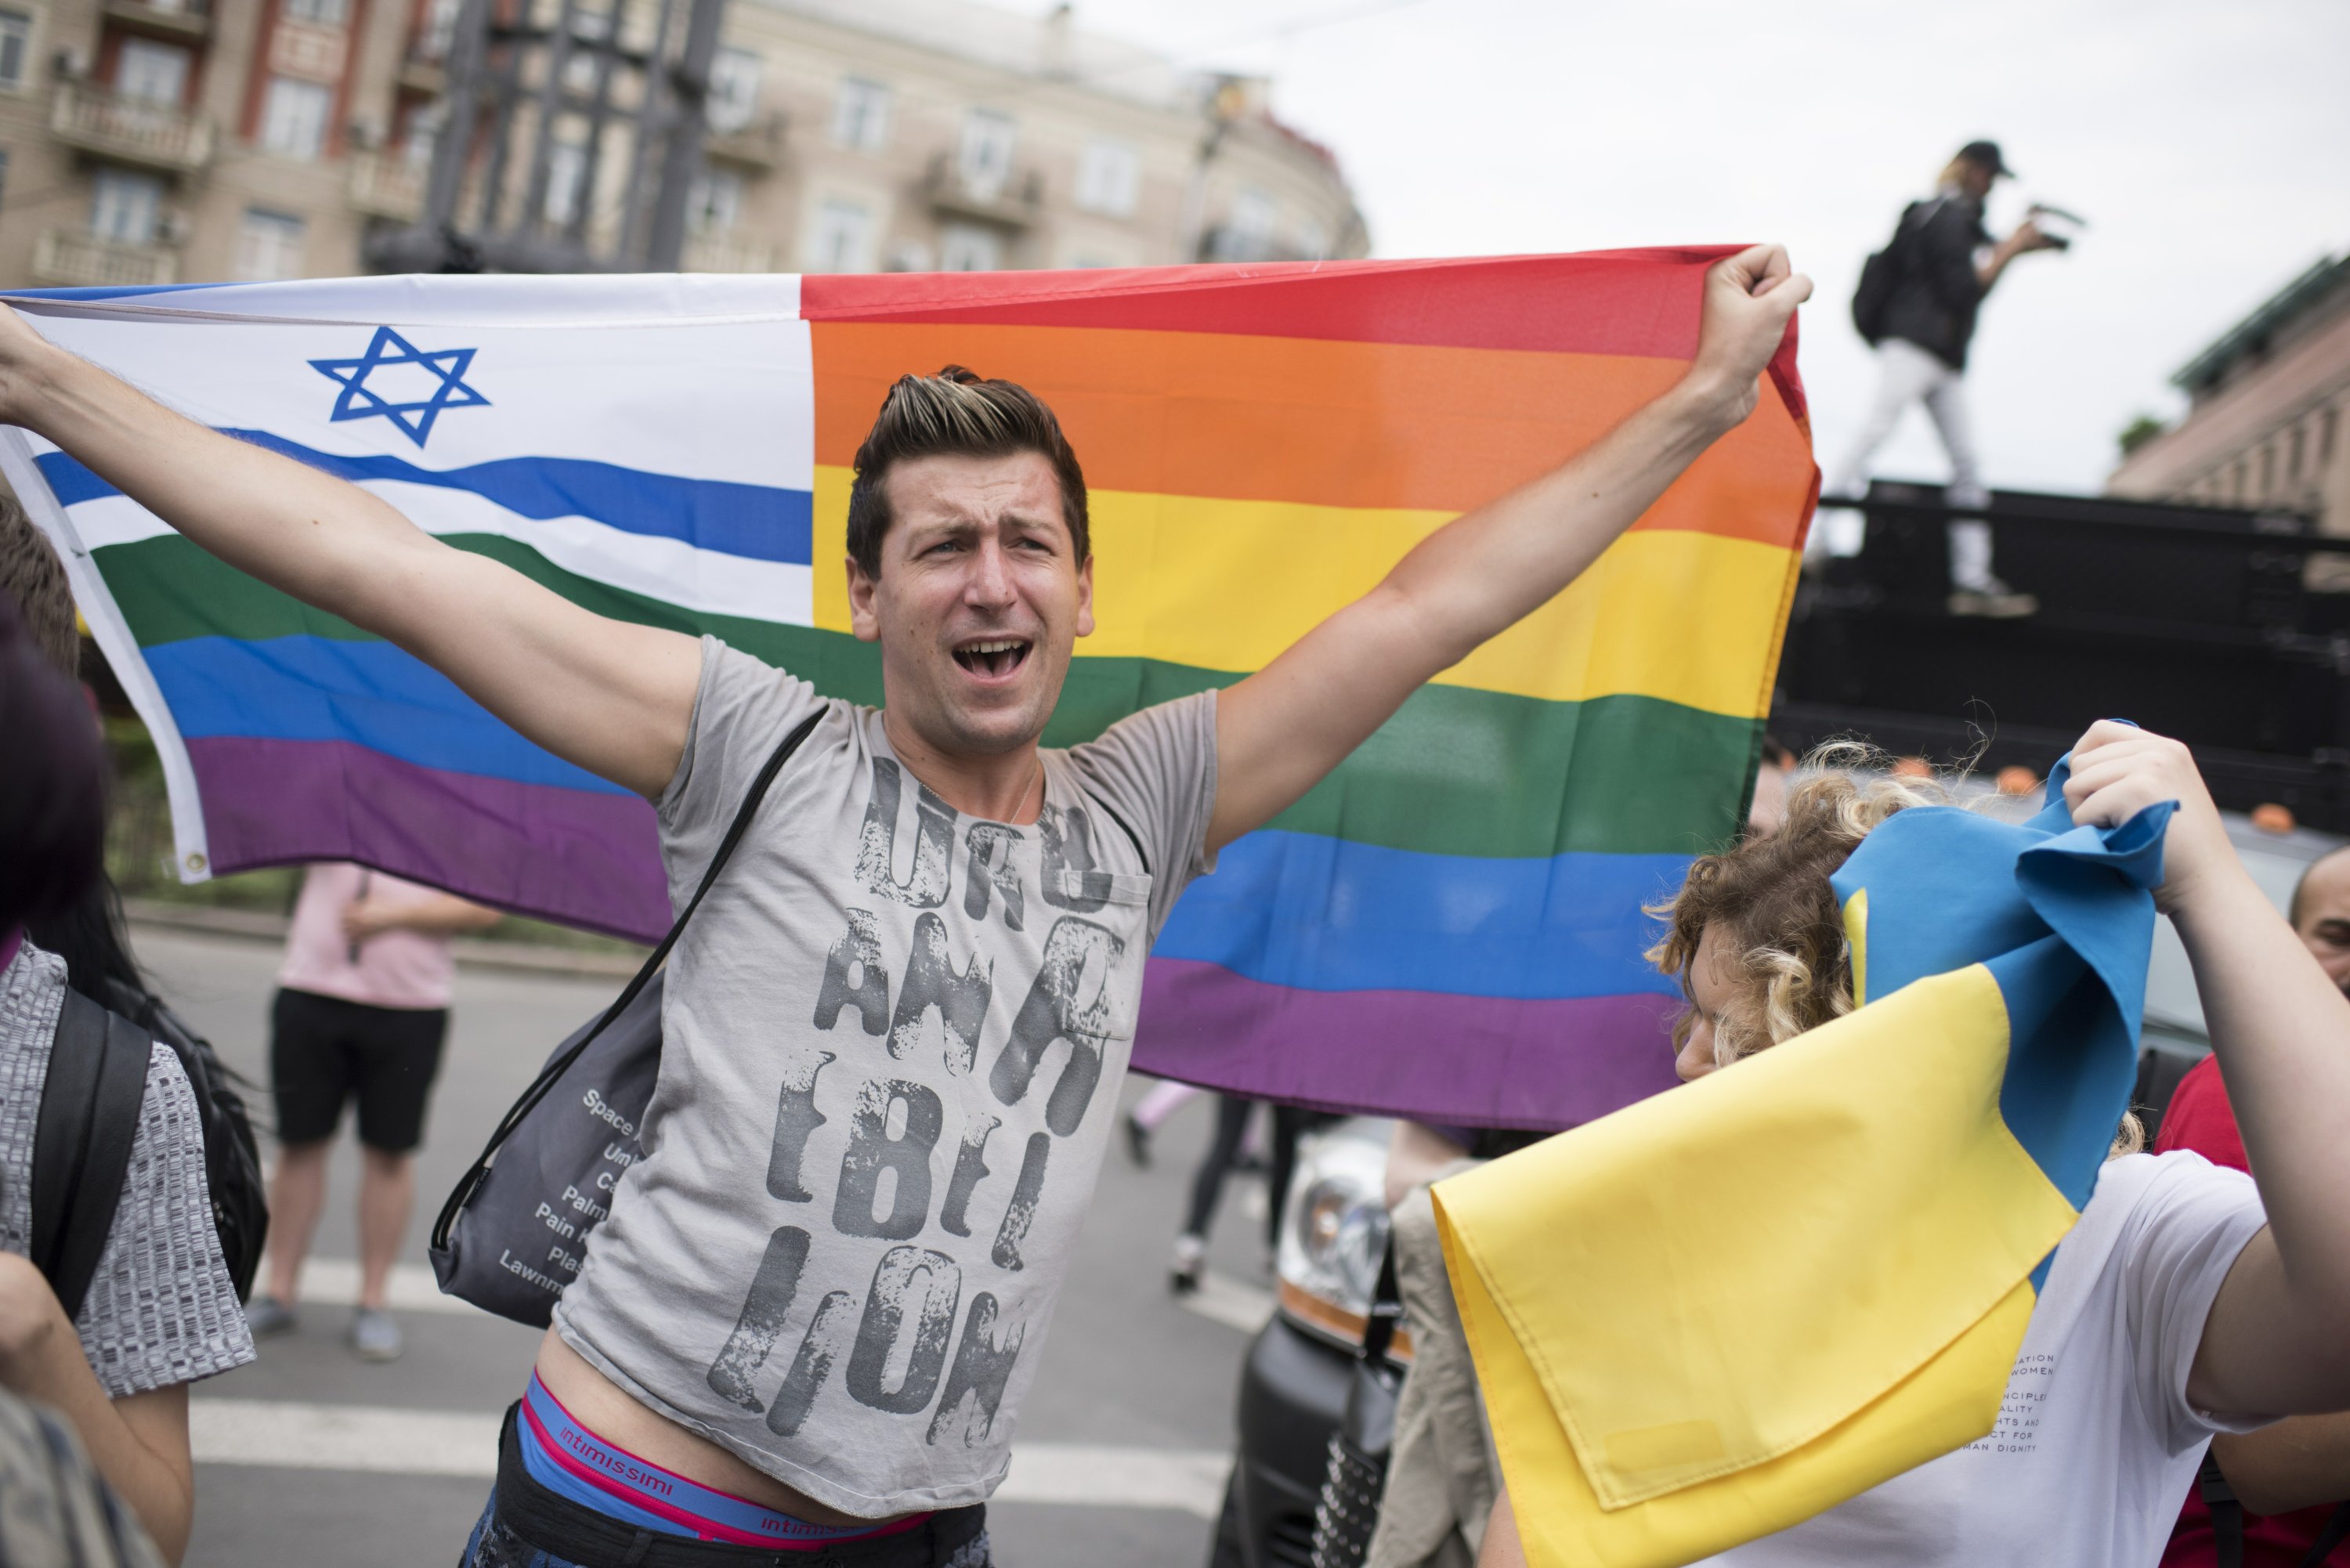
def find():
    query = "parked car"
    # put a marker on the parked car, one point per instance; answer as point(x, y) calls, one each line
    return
point(1293, 1381)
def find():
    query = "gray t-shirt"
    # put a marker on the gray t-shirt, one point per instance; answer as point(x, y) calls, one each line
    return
point(162, 1308)
point(893, 1038)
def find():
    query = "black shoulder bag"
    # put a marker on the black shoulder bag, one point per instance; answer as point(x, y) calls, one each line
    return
point(514, 1230)
point(1357, 1475)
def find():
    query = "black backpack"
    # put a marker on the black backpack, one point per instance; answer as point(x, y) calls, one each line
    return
point(1882, 273)
point(90, 1115)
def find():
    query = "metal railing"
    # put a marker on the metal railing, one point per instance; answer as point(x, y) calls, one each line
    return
point(387, 185)
point(758, 141)
point(77, 257)
point(130, 129)
point(727, 252)
point(1014, 203)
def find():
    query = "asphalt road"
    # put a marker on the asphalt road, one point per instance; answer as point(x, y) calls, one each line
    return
point(311, 1457)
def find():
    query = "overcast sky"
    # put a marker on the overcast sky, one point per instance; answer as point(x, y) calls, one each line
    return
point(2208, 144)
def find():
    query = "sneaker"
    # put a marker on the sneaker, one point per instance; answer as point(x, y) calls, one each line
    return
point(1996, 600)
point(1190, 1261)
point(1137, 1141)
point(375, 1334)
point(267, 1316)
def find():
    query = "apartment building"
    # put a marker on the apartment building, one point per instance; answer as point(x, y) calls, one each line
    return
point(2267, 411)
point(146, 141)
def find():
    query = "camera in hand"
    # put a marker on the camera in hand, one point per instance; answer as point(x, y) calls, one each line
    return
point(2060, 226)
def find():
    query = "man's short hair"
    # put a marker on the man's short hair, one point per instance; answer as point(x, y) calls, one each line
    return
point(2299, 904)
point(32, 574)
point(957, 413)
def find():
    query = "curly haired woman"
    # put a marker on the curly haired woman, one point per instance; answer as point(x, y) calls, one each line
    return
point(2187, 1301)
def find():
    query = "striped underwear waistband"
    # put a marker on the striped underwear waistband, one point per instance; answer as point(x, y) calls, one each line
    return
point(569, 1459)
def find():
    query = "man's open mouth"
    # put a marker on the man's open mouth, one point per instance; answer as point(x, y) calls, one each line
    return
point(992, 655)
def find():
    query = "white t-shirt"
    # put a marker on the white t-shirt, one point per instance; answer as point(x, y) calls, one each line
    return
point(2095, 1442)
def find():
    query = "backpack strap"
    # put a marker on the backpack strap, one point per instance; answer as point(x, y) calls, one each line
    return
point(2226, 1514)
point(2337, 1531)
point(554, 1070)
point(81, 1147)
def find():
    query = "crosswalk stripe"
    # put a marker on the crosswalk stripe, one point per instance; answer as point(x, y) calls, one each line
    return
point(386, 1441)
point(335, 1282)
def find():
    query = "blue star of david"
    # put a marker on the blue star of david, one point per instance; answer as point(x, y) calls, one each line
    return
point(415, 419)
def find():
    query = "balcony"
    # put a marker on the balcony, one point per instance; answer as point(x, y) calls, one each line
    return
point(78, 258)
point(726, 252)
point(1013, 204)
point(189, 21)
point(758, 143)
point(387, 185)
point(129, 129)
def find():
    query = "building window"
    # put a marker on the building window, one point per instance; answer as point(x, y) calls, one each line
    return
point(4, 179)
point(268, 246)
point(842, 240)
point(318, 13)
point(2325, 437)
point(16, 47)
point(150, 72)
point(1251, 224)
point(733, 89)
point(1312, 241)
point(567, 184)
point(123, 206)
point(439, 29)
point(294, 117)
point(1109, 177)
point(986, 161)
point(2268, 471)
point(860, 115)
point(714, 203)
point(965, 247)
point(2297, 451)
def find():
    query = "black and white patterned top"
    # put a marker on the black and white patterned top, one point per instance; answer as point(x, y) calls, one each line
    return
point(162, 1309)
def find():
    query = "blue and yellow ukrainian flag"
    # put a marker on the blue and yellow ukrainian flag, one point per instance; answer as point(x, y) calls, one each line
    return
point(1720, 1310)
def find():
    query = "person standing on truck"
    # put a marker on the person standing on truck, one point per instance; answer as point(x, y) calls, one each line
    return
point(361, 1013)
point(1917, 306)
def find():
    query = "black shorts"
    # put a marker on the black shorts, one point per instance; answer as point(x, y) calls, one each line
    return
point(325, 1051)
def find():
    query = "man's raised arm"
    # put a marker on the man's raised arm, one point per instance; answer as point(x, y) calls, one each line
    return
point(1281, 729)
point(611, 696)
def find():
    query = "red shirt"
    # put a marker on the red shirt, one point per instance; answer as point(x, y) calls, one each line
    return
point(2199, 1119)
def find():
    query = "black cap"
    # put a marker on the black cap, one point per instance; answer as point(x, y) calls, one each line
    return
point(1986, 153)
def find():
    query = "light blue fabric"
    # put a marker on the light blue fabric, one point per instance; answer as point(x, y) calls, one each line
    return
point(2063, 917)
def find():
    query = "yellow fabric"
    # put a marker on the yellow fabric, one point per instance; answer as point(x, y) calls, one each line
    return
point(1649, 1413)
point(1689, 617)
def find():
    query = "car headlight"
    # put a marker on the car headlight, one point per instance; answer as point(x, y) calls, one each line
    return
point(1334, 1231)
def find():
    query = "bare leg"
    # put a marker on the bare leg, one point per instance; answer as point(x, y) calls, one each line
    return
point(387, 1193)
point(296, 1193)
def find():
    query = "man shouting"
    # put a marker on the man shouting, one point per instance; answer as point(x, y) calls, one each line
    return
point(894, 1034)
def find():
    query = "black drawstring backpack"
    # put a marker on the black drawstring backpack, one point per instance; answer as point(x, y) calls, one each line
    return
point(558, 1156)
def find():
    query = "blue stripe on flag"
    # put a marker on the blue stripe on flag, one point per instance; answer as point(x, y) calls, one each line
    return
point(105, 291)
point(1328, 914)
point(762, 522)
point(370, 693)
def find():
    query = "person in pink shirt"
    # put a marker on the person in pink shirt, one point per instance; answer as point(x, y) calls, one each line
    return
point(361, 1013)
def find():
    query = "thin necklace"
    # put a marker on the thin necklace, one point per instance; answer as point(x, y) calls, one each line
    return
point(1040, 792)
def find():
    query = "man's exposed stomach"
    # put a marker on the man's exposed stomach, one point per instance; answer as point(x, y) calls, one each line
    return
point(602, 1406)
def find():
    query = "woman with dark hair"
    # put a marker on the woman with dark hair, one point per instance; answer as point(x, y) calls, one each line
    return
point(161, 1310)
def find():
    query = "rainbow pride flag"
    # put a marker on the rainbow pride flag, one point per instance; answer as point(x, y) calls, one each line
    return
point(1448, 925)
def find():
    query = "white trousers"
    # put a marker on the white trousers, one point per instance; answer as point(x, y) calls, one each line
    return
point(1907, 374)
